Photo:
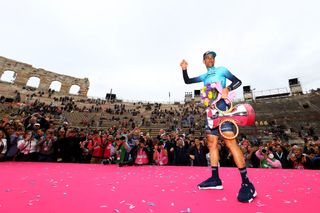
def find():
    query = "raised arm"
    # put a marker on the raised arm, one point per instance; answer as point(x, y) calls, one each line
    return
point(187, 80)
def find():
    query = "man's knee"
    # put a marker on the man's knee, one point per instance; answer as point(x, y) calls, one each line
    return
point(213, 145)
point(230, 142)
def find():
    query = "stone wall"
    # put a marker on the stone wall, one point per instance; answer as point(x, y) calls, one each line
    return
point(23, 72)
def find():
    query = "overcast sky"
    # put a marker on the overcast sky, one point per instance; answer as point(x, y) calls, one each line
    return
point(134, 47)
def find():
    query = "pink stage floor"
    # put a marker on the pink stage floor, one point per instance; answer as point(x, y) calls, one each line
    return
point(53, 187)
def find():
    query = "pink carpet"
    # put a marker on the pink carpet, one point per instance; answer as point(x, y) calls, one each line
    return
point(45, 187)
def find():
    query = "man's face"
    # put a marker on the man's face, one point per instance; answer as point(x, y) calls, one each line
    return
point(179, 142)
point(209, 61)
point(297, 152)
point(10, 131)
point(278, 149)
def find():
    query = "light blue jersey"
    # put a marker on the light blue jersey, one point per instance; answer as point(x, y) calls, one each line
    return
point(214, 74)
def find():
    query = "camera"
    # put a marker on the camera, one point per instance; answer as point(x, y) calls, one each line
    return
point(264, 151)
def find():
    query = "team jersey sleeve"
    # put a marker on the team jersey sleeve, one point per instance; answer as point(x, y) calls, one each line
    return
point(188, 80)
point(235, 82)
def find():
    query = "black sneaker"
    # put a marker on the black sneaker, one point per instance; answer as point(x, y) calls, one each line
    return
point(211, 183)
point(247, 193)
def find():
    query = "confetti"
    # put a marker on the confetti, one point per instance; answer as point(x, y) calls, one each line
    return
point(269, 196)
point(151, 204)
point(116, 210)
point(103, 206)
point(259, 204)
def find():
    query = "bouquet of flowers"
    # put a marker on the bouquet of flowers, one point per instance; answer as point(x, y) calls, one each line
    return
point(209, 94)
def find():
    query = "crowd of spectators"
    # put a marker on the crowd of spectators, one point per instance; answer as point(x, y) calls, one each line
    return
point(30, 133)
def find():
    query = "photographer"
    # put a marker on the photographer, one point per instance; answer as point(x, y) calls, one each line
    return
point(267, 159)
point(139, 154)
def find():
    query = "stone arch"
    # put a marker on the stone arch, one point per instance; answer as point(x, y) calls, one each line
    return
point(25, 71)
point(33, 82)
point(74, 89)
point(55, 86)
point(8, 76)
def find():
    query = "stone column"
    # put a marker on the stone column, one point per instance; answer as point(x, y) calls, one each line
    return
point(44, 84)
point(65, 88)
point(21, 79)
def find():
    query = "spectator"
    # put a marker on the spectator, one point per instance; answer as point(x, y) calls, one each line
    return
point(12, 142)
point(95, 147)
point(298, 160)
point(109, 150)
point(281, 154)
point(46, 147)
point(198, 153)
point(121, 148)
point(181, 156)
point(86, 153)
point(28, 148)
point(170, 146)
point(254, 161)
point(267, 159)
point(160, 154)
point(3, 146)
point(68, 148)
point(139, 154)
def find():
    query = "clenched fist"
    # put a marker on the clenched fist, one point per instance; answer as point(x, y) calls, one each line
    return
point(184, 64)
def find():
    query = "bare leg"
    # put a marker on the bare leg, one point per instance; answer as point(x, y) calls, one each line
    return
point(214, 181)
point(213, 149)
point(247, 191)
point(235, 150)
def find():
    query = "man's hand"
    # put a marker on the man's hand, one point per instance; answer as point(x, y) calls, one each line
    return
point(225, 92)
point(184, 64)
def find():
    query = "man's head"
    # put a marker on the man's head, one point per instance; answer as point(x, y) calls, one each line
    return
point(36, 126)
point(297, 150)
point(209, 58)
point(142, 142)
